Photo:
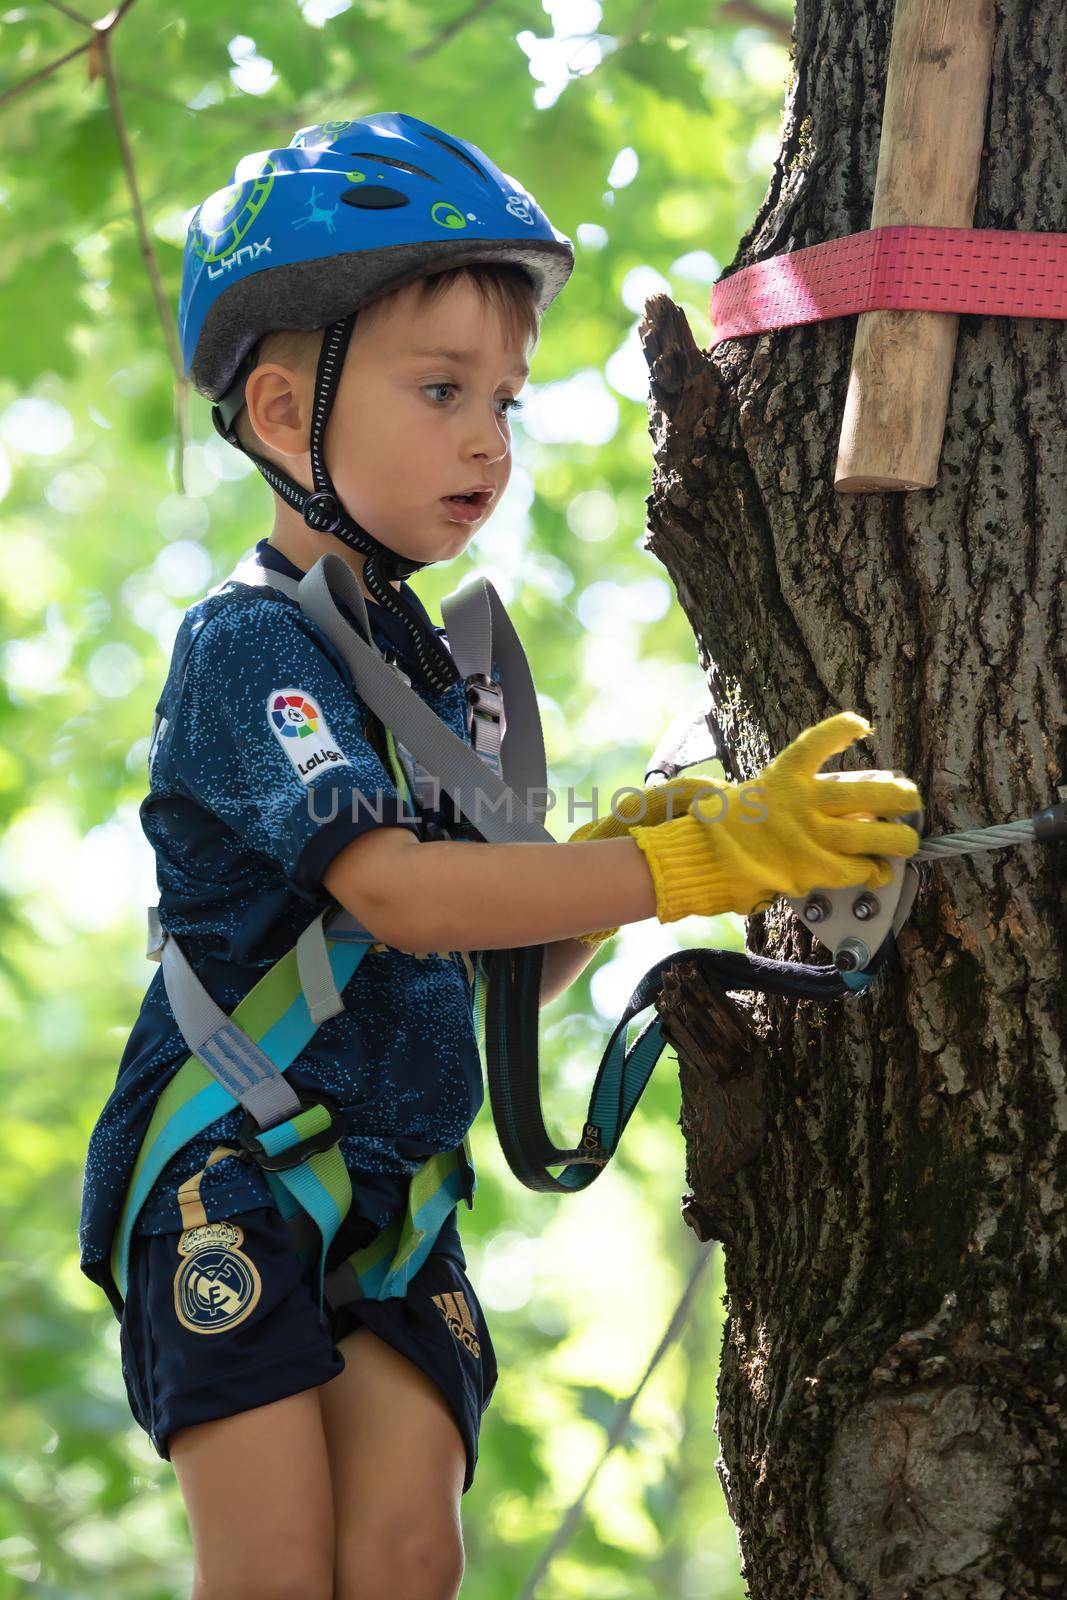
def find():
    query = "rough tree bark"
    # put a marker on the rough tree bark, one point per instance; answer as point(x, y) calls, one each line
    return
point(887, 1172)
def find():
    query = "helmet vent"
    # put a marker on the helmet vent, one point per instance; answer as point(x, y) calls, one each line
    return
point(367, 197)
point(387, 161)
point(462, 154)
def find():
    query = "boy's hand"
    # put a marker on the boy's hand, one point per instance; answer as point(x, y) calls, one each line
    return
point(662, 802)
point(658, 803)
point(791, 830)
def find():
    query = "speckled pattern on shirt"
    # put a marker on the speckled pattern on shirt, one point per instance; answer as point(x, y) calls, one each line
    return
point(240, 854)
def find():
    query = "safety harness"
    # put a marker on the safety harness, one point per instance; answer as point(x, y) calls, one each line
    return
point(241, 1059)
point(497, 782)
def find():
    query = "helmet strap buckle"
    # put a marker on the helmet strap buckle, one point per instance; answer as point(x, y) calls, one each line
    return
point(322, 511)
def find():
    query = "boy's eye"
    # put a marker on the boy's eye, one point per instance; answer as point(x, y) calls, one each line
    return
point(508, 400)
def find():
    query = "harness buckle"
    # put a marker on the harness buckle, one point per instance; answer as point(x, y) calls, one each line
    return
point(485, 696)
point(284, 1160)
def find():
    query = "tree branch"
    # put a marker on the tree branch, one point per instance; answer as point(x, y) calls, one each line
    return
point(68, 11)
point(100, 64)
point(148, 255)
point(43, 72)
point(100, 30)
point(107, 24)
point(756, 17)
point(449, 30)
point(619, 1424)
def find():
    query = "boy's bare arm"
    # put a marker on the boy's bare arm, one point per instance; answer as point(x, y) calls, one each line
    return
point(563, 960)
point(469, 896)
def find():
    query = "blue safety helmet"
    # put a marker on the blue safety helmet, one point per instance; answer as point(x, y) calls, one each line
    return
point(303, 237)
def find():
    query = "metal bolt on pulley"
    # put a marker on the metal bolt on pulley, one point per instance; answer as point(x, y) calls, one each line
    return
point(852, 955)
point(865, 907)
point(816, 908)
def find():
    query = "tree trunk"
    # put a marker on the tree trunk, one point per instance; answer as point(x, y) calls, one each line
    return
point(887, 1171)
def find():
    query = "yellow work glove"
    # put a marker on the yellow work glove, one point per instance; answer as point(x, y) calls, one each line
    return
point(662, 802)
point(790, 830)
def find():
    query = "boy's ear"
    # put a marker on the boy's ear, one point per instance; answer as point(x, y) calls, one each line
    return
point(278, 401)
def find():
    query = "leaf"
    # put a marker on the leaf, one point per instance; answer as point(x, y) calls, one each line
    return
point(86, 165)
point(670, 72)
point(39, 309)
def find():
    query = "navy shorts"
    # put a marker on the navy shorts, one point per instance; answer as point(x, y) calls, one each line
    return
point(191, 1357)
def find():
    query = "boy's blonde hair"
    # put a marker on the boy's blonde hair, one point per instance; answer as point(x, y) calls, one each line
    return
point(504, 287)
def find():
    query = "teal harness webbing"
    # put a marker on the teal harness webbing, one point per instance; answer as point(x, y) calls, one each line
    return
point(275, 1015)
point(300, 1156)
point(508, 1001)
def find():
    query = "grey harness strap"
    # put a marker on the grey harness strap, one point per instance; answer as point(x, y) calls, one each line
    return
point(479, 630)
point(223, 1047)
point(479, 794)
point(243, 1069)
point(256, 577)
point(505, 722)
point(316, 974)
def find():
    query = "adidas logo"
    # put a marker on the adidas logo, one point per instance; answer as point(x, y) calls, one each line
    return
point(453, 1307)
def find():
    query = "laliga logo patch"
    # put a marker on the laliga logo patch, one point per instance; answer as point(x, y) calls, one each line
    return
point(217, 1285)
point(300, 728)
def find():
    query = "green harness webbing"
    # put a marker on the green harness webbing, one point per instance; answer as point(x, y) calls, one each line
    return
point(275, 1015)
point(300, 1156)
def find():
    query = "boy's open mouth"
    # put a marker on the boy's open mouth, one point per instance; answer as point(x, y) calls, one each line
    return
point(467, 507)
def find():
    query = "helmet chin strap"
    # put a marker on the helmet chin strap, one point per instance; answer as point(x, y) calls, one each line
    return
point(322, 509)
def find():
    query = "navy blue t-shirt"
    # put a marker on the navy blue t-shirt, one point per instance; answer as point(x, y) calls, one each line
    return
point(236, 821)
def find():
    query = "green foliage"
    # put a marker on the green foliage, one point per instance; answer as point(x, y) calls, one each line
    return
point(101, 558)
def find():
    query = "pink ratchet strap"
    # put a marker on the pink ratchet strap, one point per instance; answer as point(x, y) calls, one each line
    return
point(991, 271)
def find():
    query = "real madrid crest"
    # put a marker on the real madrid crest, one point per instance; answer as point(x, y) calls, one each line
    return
point(216, 1285)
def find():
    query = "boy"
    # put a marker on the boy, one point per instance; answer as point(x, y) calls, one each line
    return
point(326, 1456)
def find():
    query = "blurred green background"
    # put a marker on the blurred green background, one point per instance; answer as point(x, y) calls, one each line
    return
point(648, 137)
